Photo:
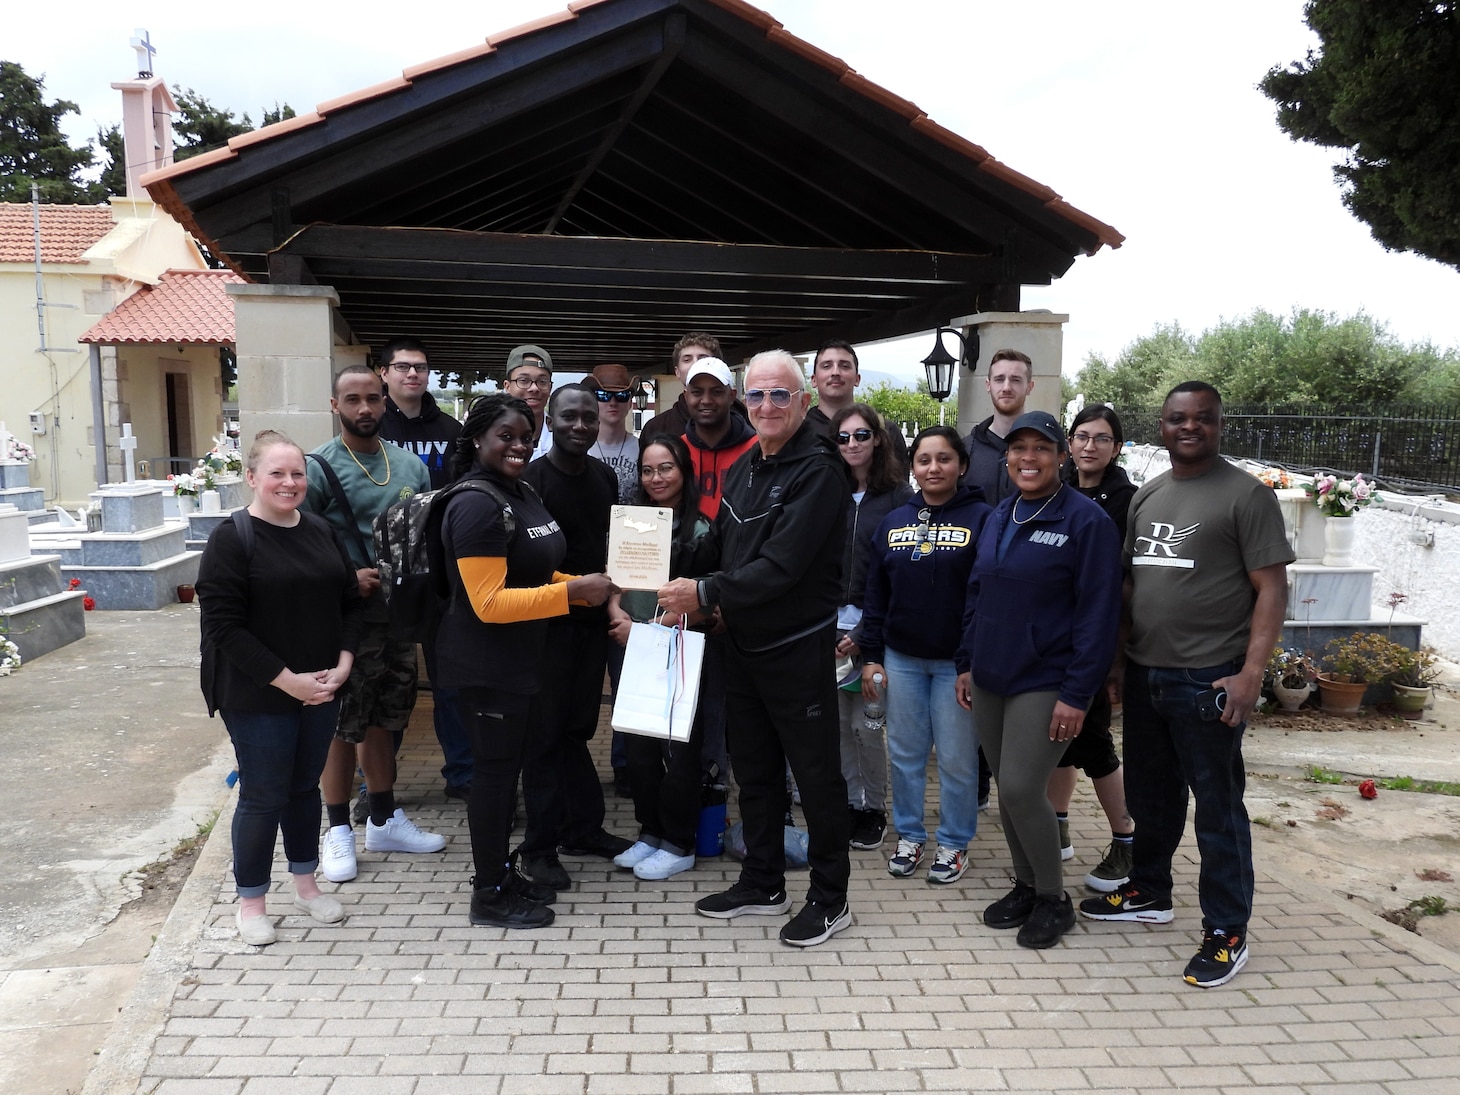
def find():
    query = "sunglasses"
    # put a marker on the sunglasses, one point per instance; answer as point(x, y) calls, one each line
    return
point(615, 397)
point(864, 435)
point(779, 397)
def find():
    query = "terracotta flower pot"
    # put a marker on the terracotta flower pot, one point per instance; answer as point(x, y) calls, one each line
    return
point(1341, 697)
point(185, 594)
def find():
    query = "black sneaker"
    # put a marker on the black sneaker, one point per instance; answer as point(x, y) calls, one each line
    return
point(545, 869)
point(1128, 904)
point(816, 923)
point(1221, 956)
point(1012, 909)
point(1050, 919)
point(460, 791)
point(740, 899)
point(869, 828)
point(523, 886)
point(495, 908)
point(601, 843)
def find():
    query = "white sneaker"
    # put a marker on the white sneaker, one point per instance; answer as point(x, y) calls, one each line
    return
point(663, 864)
point(399, 834)
point(637, 853)
point(337, 857)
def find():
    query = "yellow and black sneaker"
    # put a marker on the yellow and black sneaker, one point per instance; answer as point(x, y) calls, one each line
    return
point(1130, 903)
point(1221, 956)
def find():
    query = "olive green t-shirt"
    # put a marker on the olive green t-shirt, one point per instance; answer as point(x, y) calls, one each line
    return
point(1189, 546)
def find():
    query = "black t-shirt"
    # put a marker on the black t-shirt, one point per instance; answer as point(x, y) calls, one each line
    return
point(582, 505)
point(470, 653)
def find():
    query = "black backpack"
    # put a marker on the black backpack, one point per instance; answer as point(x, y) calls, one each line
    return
point(412, 559)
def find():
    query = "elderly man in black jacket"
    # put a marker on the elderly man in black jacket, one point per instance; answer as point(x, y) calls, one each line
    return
point(772, 563)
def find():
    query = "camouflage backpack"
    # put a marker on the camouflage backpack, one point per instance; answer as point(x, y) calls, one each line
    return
point(412, 559)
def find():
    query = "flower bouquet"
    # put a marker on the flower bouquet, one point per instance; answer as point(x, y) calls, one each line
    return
point(184, 485)
point(1337, 497)
point(1276, 478)
point(9, 657)
point(16, 449)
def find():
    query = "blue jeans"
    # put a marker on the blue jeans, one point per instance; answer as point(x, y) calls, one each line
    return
point(280, 758)
point(450, 730)
point(923, 713)
point(1171, 753)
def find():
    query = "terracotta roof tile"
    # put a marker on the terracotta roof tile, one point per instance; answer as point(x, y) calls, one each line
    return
point(184, 306)
point(159, 183)
point(67, 231)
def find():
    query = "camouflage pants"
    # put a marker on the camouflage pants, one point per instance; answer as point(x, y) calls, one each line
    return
point(381, 690)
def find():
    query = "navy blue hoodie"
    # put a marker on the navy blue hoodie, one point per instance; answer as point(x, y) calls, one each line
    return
point(1044, 617)
point(913, 600)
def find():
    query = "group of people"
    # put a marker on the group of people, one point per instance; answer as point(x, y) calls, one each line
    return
point(857, 627)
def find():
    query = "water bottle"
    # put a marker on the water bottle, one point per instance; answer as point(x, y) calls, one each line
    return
point(874, 712)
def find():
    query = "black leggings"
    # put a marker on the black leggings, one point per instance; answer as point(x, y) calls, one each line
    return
point(497, 724)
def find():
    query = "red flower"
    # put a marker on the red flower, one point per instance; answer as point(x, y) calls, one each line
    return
point(88, 603)
point(1368, 790)
point(75, 583)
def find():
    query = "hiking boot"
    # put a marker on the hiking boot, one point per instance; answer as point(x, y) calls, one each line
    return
point(1129, 903)
point(1067, 849)
point(1221, 956)
point(337, 854)
point(1050, 919)
point(545, 870)
point(816, 923)
point(740, 899)
point(399, 834)
point(494, 908)
point(600, 843)
point(1114, 869)
point(905, 860)
point(869, 829)
point(1011, 910)
point(948, 866)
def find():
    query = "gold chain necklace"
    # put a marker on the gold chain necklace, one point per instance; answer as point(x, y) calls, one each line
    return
point(362, 467)
point(1014, 513)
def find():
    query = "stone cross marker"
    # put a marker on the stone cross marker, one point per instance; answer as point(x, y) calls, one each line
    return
point(128, 445)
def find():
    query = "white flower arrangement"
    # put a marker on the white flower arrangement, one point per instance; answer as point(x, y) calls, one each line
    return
point(1337, 497)
point(225, 456)
point(16, 449)
point(9, 657)
point(183, 485)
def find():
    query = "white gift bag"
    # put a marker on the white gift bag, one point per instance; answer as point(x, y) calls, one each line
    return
point(659, 688)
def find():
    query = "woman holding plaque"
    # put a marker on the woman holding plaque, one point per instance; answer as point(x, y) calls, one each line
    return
point(665, 777)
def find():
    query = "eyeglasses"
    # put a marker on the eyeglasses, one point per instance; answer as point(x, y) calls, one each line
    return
point(542, 383)
point(864, 435)
point(657, 471)
point(404, 367)
point(1099, 439)
point(779, 397)
point(615, 397)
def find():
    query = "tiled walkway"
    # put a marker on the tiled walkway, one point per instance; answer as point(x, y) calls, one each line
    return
point(630, 991)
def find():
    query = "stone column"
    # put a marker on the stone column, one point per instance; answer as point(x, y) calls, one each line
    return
point(286, 346)
point(1038, 334)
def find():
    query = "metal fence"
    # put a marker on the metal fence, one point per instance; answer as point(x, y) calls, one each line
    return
point(1416, 447)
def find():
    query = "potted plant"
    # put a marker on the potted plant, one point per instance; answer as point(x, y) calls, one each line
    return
point(1351, 665)
point(1414, 672)
point(1291, 672)
point(1338, 500)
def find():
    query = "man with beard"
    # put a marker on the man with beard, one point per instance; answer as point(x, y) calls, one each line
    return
point(1010, 380)
point(561, 794)
point(715, 435)
point(376, 701)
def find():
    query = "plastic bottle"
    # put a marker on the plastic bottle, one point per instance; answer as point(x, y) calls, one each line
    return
point(874, 712)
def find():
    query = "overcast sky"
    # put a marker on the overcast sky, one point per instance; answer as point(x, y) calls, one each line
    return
point(1144, 115)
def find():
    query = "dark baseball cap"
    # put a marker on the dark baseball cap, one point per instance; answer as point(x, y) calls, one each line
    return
point(1042, 423)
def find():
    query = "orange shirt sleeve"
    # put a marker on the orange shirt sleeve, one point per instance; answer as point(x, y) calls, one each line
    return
point(485, 580)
